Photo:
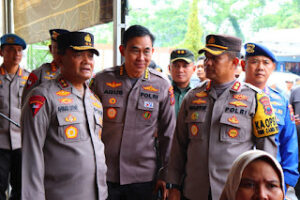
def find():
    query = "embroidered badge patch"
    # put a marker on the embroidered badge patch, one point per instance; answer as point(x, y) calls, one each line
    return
point(113, 84)
point(25, 78)
point(148, 104)
point(265, 101)
point(97, 105)
point(199, 101)
point(201, 94)
point(31, 80)
point(111, 113)
point(63, 93)
point(233, 133)
point(150, 88)
point(63, 83)
point(71, 132)
point(70, 118)
point(36, 102)
point(194, 116)
point(172, 96)
point(236, 86)
point(208, 86)
point(194, 130)
point(112, 101)
point(147, 115)
point(233, 120)
point(65, 100)
point(240, 97)
point(238, 104)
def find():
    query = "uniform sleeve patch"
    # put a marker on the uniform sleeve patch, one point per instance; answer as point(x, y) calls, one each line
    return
point(36, 103)
point(264, 120)
point(31, 80)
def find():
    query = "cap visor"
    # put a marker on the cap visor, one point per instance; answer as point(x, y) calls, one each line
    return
point(213, 52)
point(180, 58)
point(83, 48)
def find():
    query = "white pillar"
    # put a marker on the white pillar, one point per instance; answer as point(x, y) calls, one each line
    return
point(118, 25)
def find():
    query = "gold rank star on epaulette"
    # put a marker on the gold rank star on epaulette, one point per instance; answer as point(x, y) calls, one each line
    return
point(63, 83)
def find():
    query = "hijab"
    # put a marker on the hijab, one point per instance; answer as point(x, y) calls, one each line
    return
point(237, 169)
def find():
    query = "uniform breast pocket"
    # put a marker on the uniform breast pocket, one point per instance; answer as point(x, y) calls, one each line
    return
point(195, 121)
point(235, 128)
point(147, 111)
point(70, 127)
point(98, 125)
point(113, 108)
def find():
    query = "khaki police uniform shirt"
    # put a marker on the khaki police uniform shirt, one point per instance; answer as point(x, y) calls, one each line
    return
point(210, 133)
point(11, 89)
point(132, 116)
point(45, 72)
point(63, 155)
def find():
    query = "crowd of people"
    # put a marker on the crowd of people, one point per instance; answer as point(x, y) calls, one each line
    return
point(130, 132)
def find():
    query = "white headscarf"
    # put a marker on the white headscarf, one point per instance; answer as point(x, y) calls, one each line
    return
point(236, 171)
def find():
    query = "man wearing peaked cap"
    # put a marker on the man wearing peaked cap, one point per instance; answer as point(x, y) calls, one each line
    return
point(258, 65)
point(216, 123)
point(46, 71)
point(181, 69)
point(12, 81)
point(63, 155)
point(138, 104)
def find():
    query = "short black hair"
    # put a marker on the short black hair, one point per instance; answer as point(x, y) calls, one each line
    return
point(233, 54)
point(136, 31)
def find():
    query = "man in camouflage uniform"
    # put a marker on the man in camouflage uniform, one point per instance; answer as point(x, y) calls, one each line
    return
point(46, 71)
point(12, 81)
point(63, 155)
point(138, 102)
point(217, 122)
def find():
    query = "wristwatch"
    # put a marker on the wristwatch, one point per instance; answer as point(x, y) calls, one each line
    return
point(172, 186)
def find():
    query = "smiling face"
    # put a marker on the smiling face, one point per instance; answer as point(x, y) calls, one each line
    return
point(137, 53)
point(258, 70)
point(77, 66)
point(259, 181)
point(12, 55)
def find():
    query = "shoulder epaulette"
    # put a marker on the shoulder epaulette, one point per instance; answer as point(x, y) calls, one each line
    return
point(159, 74)
point(256, 89)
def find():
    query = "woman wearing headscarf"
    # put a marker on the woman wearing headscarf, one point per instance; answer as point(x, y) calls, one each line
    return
point(255, 174)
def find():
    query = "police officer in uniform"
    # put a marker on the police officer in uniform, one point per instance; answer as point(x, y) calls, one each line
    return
point(259, 63)
point(63, 155)
point(46, 71)
point(137, 102)
point(217, 121)
point(12, 81)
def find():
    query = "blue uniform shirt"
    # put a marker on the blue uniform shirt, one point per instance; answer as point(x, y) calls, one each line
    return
point(286, 139)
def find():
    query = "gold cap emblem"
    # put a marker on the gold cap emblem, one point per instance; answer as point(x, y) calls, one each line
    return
point(55, 35)
point(250, 48)
point(88, 40)
point(10, 39)
point(211, 40)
